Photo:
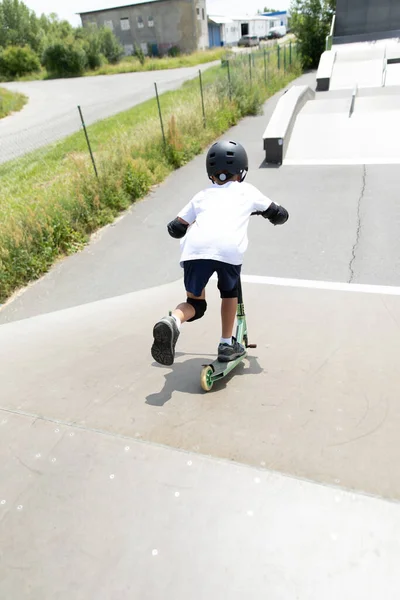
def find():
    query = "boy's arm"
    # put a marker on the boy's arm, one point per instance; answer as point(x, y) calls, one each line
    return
point(178, 227)
point(276, 214)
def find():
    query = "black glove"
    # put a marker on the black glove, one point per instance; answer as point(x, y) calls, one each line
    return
point(276, 214)
point(177, 229)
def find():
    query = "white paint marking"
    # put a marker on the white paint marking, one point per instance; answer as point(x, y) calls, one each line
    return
point(335, 286)
point(177, 494)
point(155, 553)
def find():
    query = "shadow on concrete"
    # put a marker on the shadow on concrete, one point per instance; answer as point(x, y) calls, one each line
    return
point(185, 378)
point(265, 165)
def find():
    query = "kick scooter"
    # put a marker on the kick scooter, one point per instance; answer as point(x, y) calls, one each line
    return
point(218, 370)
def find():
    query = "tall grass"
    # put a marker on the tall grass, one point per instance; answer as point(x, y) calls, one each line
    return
point(51, 200)
point(10, 102)
point(131, 64)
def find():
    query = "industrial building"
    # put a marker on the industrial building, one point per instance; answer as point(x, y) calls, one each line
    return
point(281, 16)
point(155, 26)
point(227, 31)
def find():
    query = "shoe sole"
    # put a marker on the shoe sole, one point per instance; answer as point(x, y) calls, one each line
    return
point(163, 348)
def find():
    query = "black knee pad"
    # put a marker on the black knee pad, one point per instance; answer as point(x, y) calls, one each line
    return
point(200, 307)
point(232, 294)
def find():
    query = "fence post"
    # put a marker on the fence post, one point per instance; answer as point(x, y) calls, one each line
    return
point(279, 56)
point(251, 73)
point(88, 142)
point(265, 66)
point(290, 53)
point(229, 80)
point(202, 99)
point(159, 112)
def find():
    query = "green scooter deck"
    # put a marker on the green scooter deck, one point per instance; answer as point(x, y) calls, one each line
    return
point(222, 369)
point(217, 370)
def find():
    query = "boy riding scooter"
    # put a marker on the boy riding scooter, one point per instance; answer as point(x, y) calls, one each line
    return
point(213, 233)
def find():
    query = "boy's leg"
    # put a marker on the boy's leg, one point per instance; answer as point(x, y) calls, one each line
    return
point(185, 311)
point(228, 315)
point(228, 279)
point(166, 331)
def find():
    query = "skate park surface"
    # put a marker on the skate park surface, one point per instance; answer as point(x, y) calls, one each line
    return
point(121, 478)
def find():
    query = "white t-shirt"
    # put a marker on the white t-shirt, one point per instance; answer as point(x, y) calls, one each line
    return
point(219, 217)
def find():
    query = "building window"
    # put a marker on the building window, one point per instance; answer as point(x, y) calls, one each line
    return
point(198, 13)
point(125, 25)
point(150, 22)
point(128, 48)
point(203, 13)
point(109, 24)
point(144, 48)
point(140, 23)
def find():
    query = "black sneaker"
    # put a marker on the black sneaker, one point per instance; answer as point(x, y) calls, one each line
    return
point(226, 353)
point(165, 335)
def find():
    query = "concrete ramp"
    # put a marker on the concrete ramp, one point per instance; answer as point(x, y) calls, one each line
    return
point(121, 479)
point(359, 66)
point(325, 133)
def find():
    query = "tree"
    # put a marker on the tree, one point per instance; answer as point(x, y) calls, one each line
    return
point(65, 59)
point(310, 22)
point(17, 24)
point(110, 46)
point(16, 61)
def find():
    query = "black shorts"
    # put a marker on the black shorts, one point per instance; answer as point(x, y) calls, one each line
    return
point(197, 274)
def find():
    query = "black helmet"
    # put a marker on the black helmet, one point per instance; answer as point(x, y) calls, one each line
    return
point(229, 158)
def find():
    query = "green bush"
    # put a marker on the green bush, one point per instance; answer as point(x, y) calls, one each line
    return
point(174, 51)
point(64, 59)
point(95, 58)
point(16, 61)
point(138, 52)
point(137, 179)
point(110, 46)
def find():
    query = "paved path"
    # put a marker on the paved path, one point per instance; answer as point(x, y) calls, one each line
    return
point(52, 114)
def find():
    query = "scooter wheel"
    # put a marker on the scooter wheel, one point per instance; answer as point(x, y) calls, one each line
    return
point(206, 378)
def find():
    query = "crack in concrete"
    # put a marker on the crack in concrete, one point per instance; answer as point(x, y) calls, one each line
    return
point(354, 249)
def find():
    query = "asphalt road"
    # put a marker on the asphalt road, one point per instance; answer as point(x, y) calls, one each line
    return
point(52, 114)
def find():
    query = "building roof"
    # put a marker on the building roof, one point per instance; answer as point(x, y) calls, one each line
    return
point(218, 20)
point(276, 13)
point(114, 5)
point(251, 18)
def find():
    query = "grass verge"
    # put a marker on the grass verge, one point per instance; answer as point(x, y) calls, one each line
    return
point(51, 200)
point(131, 64)
point(11, 102)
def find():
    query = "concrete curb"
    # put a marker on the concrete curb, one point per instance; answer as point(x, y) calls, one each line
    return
point(277, 134)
